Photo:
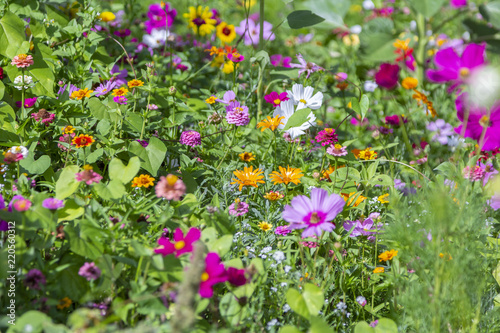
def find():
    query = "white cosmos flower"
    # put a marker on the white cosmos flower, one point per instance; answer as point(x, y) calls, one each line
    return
point(156, 39)
point(303, 97)
point(286, 109)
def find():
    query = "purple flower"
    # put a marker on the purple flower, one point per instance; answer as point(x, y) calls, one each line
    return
point(90, 271)
point(238, 208)
point(143, 143)
point(4, 226)
point(28, 102)
point(122, 33)
point(479, 118)
point(399, 184)
point(252, 31)
point(190, 138)
point(489, 172)
point(34, 278)
point(52, 203)
point(359, 228)
point(279, 60)
point(121, 78)
point(374, 323)
point(228, 98)
point(159, 17)
point(361, 300)
point(443, 129)
point(238, 116)
point(314, 214)
point(72, 88)
point(495, 201)
point(282, 230)
point(236, 276)
point(387, 76)
point(458, 3)
point(104, 88)
point(451, 67)
point(308, 67)
point(122, 100)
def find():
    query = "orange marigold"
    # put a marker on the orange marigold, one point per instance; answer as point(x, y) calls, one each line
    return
point(286, 176)
point(81, 94)
point(271, 123)
point(248, 177)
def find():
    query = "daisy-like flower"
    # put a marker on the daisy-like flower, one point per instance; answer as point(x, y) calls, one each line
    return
point(18, 82)
point(104, 88)
point(156, 39)
point(90, 271)
point(143, 181)
point(409, 83)
point(235, 57)
point(88, 175)
point(308, 67)
point(264, 226)
point(181, 244)
point(271, 123)
point(275, 99)
point(22, 205)
point(170, 188)
point(383, 198)
point(68, 129)
point(211, 100)
point(303, 97)
point(273, 196)
point(214, 273)
point(379, 270)
point(326, 137)
point(248, 177)
point(313, 214)
point(238, 208)
point(190, 138)
point(43, 116)
point(52, 203)
point(226, 32)
point(120, 92)
point(28, 102)
point(327, 172)
point(282, 230)
point(286, 110)
point(353, 198)
point(286, 176)
point(83, 140)
point(423, 100)
point(81, 94)
point(228, 67)
point(135, 83)
point(64, 303)
point(22, 61)
point(365, 154)
point(251, 31)
point(200, 20)
point(122, 100)
point(388, 255)
point(337, 150)
point(247, 157)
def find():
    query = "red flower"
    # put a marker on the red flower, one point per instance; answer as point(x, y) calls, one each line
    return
point(387, 76)
point(236, 276)
point(83, 140)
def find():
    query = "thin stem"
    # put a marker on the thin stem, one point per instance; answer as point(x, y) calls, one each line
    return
point(228, 147)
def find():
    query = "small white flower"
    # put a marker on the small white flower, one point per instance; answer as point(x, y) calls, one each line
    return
point(413, 25)
point(286, 109)
point(356, 29)
point(368, 5)
point(370, 86)
point(274, 289)
point(18, 82)
point(279, 256)
point(287, 268)
point(303, 97)
point(361, 300)
point(156, 39)
point(19, 150)
point(286, 307)
point(272, 323)
point(266, 249)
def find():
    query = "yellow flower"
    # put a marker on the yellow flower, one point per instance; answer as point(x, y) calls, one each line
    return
point(228, 67)
point(135, 83)
point(379, 270)
point(226, 32)
point(211, 100)
point(120, 92)
point(286, 176)
point(271, 123)
point(68, 129)
point(349, 198)
point(409, 83)
point(388, 255)
point(64, 303)
point(365, 154)
point(382, 198)
point(265, 226)
point(200, 20)
point(247, 3)
point(246, 157)
point(448, 256)
point(81, 94)
point(351, 40)
point(326, 174)
point(422, 100)
point(402, 44)
point(248, 177)
point(143, 181)
point(273, 196)
point(107, 16)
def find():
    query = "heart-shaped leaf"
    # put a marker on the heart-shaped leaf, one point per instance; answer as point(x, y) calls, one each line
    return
point(117, 170)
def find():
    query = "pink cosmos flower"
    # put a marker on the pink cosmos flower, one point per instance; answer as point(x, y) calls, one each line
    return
point(214, 273)
point(190, 138)
point(279, 60)
point(88, 176)
point(313, 214)
point(180, 245)
point(275, 99)
point(159, 17)
point(360, 228)
point(235, 57)
point(251, 30)
point(28, 102)
point(394, 120)
point(238, 208)
point(22, 61)
point(454, 68)
point(308, 67)
point(387, 76)
point(458, 3)
point(337, 150)
point(170, 188)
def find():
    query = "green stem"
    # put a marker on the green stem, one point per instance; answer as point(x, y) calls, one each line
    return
point(229, 146)
point(23, 111)
point(422, 42)
point(261, 18)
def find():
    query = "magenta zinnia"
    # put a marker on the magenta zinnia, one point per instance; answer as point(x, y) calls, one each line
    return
point(180, 245)
point(313, 214)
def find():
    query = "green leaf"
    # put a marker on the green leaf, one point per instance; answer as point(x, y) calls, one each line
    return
point(313, 296)
point(31, 321)
point(261, 57)
point(67, 184)
point(86, 240)
point(231, 310)
point(363, 327)
point(386, 325)
point(303, 18)
point(117, 170)
point(318, 325)
point(12, 35)
point(297, 119)
point(492, 11)
point(332, 11)
point(383, 180)
point(345, 173)
point(364, 105)
point(377, 39)
point(113, 190)
point(70, 211)
point(222, 245)
point(427, 7)
point(42, 72)
point(156, 151)
point(98, 109)
point(297, 303)
point(289, 329)
point(95, 156)
point(35, 167)
point(2, 89)
point(355, 105)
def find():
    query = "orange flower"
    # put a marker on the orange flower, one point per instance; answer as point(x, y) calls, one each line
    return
point(286, 176)
point(143, 181)
point(409, 83)
point(64, 303)
point(422, 100)
point(81, 94)
point(135, 83)
point(326, 174)
point(83, 140)
point(68, 129)
point(403, 45)
point(349, 198)
point(120, 92)
point(271, 123)
point(388, 255)
point(246, 157)
point(248, 177)
point(273, 196)
point(379, 270)
point(365, 154)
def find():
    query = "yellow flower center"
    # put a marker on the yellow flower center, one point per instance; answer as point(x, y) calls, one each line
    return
point(329, 130)
point(204, 277)
point(484, 121)
point(277, 101)
point(171, 180)
point(464, 72)
point(22, 56)
point(238, 109)
point(303, 101)
point(179, 245)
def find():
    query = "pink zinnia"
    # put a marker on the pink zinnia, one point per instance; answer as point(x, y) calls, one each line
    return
point(337, 150)
point(180, 245)
point(275, 99)
point(170, 188)
point(122, 100)
point(214, 273)
point(313, 214)
point(238, 208)
point(43, 116)
point(88, 176)
point(326, 137)
point(67, 138)
point(22, 205)
point(387, 76)
point(89, 271)
point(22, 61)
point(238, 116)
point(473, 174)
point(282, 230)
point(190, 138)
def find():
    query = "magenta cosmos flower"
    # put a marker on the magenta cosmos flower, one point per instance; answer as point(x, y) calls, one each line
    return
point(190, 138)
point(458, 3)
point(387, 76)
point(275, 99)
point(452, 67)
point(479, 118)
point(214, 273)
point(160, 18)
point(180, 245)
point(314, 214)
